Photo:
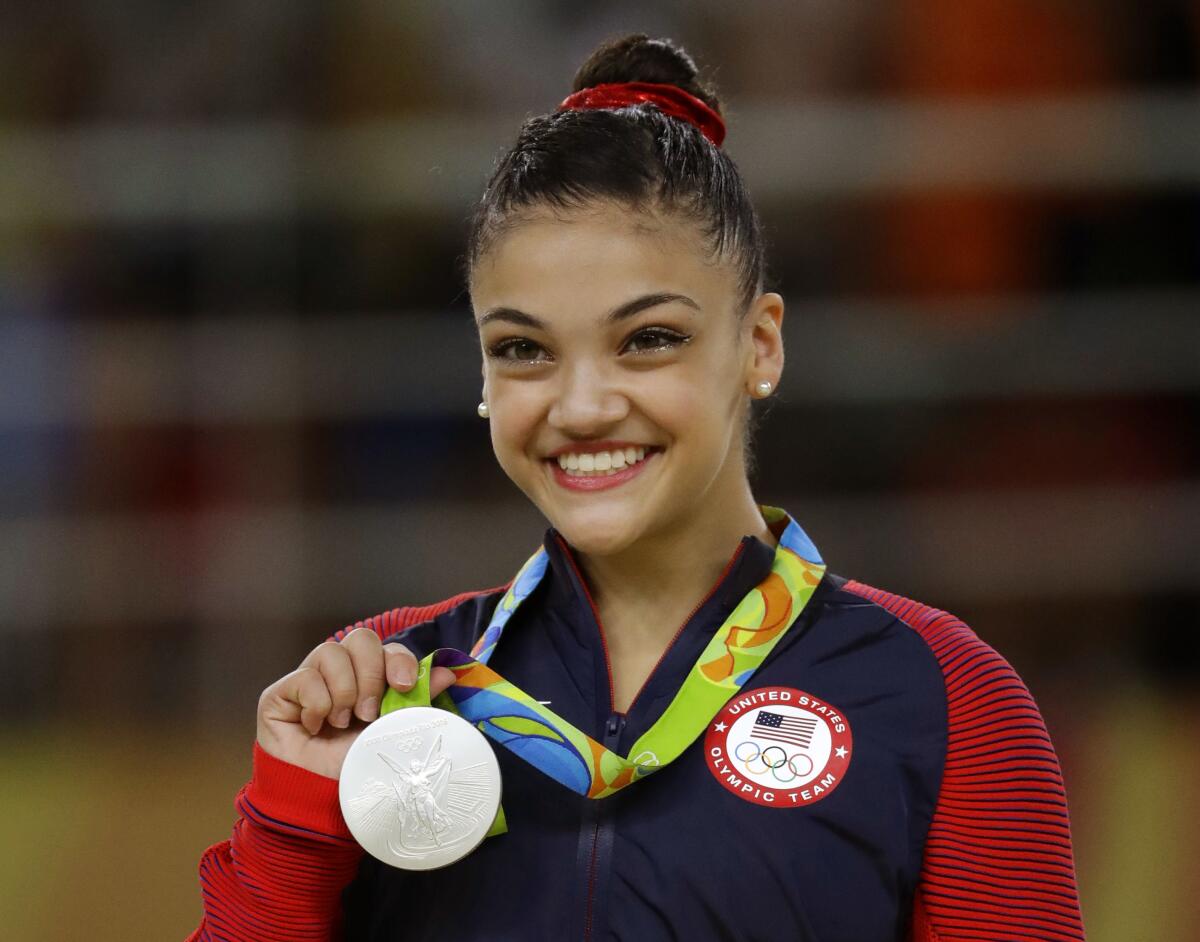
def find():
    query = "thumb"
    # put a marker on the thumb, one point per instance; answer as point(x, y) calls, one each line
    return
point(439, 679)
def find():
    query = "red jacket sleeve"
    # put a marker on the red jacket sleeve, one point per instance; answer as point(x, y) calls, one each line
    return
point(998, 862)
point(281, 874)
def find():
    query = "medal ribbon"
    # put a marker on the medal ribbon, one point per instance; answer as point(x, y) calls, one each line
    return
point(511, 717)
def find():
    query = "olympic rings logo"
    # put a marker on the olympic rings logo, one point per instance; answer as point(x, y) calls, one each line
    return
point(778, 747)
point(773, 759)
point(408, 744)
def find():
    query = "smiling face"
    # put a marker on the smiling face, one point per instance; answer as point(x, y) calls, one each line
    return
point(617, 372)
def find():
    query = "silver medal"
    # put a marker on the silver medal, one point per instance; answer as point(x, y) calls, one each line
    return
point(420, 788)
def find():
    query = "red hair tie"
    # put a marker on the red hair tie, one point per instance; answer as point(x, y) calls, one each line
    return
point(670, 99)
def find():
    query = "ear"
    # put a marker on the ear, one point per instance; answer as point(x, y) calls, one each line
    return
point(763, 329)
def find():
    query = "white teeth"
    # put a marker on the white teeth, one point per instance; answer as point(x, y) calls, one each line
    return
point(601, 462)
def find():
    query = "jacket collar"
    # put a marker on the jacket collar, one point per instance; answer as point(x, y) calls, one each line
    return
point(568, 601)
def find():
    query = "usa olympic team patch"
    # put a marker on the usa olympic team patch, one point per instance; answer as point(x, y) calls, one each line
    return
point(779, 747)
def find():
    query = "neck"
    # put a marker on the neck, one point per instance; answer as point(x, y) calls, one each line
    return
point(672, 572)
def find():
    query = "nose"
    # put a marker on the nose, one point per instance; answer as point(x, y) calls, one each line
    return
point(586, 402)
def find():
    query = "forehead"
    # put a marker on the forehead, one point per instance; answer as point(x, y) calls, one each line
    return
point(596, 258)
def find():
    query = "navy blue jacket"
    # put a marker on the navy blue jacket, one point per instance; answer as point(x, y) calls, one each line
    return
point(949, 820)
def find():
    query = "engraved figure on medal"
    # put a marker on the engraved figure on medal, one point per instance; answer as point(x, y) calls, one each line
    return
point(415, 793)
point(425, 805)
point(423, 795)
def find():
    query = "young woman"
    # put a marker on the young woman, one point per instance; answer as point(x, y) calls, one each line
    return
point(717, 738)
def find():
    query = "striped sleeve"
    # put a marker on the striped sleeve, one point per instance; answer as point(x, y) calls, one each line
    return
point(282, 872)
point(399, 619)
point(998, 863)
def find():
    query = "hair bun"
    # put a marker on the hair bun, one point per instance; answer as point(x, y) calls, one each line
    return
point(638, 58)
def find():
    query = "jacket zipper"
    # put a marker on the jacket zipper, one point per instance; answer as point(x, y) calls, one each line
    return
point(615, 724)
point(601, 831)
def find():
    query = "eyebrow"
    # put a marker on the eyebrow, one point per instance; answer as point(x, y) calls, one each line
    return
point(616, 315)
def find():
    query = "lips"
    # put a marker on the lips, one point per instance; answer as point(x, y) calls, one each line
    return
point(600, 469)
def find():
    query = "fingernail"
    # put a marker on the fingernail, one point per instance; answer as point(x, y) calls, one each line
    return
point(369, 709)
point(404, 675)
point(341, 718)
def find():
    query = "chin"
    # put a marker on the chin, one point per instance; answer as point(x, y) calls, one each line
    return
point(595, 545)
point(601, 523)
point(594, 532)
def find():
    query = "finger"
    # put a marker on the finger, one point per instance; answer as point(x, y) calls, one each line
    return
point(401, 666)
point(300, 696)
point(366, 655)
point(333, 661)
point(439, 680)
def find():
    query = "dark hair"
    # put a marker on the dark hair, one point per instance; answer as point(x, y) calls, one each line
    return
point(636, 156)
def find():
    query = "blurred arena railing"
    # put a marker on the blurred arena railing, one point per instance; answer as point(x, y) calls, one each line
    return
point(223, 172)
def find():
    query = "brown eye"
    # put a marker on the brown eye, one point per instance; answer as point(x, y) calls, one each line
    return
point(518, 350)
point(653, 339)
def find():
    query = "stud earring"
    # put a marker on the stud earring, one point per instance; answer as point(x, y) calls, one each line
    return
point(763, 388)
point(482, 409)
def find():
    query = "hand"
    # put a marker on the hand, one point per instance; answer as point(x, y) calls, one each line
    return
point(310, 717)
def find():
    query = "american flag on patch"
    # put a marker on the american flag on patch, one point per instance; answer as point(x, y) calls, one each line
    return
point(795, 730)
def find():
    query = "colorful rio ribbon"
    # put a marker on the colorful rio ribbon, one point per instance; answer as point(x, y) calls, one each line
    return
point(538, 735)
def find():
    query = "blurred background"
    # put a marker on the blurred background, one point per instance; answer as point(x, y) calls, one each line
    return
point(238, 378)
